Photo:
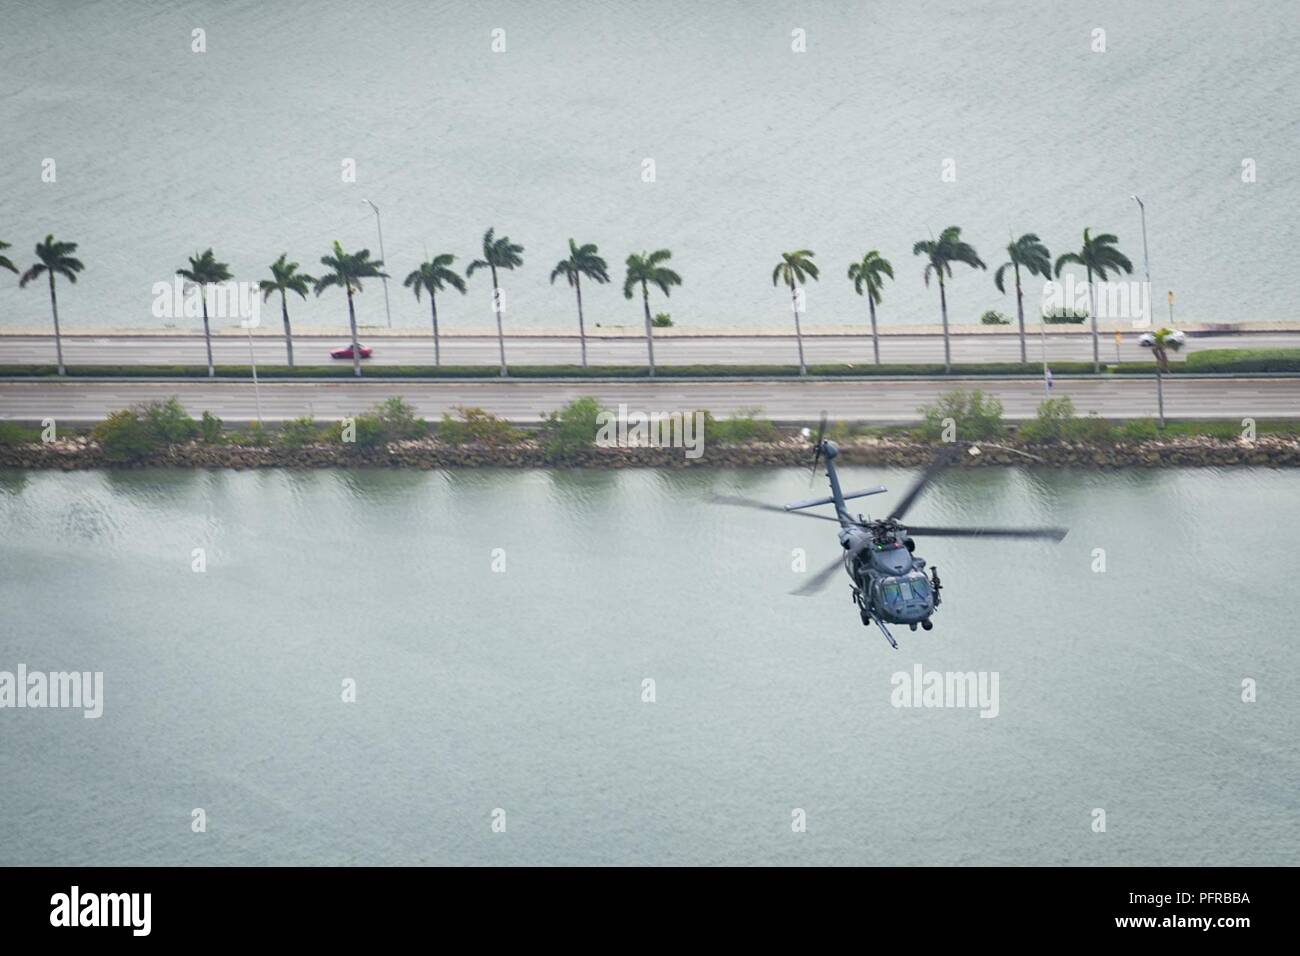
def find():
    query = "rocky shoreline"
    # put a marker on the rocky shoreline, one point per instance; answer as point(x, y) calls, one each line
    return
point(82, 453)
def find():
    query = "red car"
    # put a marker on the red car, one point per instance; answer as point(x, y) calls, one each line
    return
point(346, 352)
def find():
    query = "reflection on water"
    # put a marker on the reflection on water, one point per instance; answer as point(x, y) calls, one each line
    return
point(500, 625)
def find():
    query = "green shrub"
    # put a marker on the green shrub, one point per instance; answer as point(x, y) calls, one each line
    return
point(1064, 317)
point(662, 320)
point(1055, 416)
point(477, 427)
point(848, 431)
point(361, 431)
point(11, 433)
point(255, 435)
point(391, 420)
point(398, 420)
point(1094, 429)
point(1056, 422)
point(1224, 430)
point(571, 429)
point(739, 429)
point(169, 421)
point(975, 414)
point(1242, 360)
point(134, 433)
point(211, 429)
point(125, 436)
point(300, 432)
point(993, 317)
point(1139, 429)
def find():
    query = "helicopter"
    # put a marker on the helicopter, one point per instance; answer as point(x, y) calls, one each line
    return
point(889, 580)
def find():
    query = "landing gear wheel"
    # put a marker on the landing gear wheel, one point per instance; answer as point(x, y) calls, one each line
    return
point(927, 624)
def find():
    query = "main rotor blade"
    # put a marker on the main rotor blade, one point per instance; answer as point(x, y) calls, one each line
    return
point(1051, 534)
point(821, 429)
point(817, 448)
point(739, 502)
point(941, 461)
point(820, 579)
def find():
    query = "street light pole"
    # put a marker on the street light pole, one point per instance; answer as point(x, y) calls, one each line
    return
point(1146, 259)
point(252, 360)
point(380, 226)
point(1042, 332)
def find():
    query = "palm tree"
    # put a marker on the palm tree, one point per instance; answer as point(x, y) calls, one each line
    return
point(582, 261)
point(1100, 257)
point(1027, 251)
point(55, 258)
point(204, 271)
point(286, 278)
point(646, 270)
point(795, 269)
point(868, 274)
point(433, 277)
point(497, 254)
point(4, 260)
point(347, 269)
point(941, 253)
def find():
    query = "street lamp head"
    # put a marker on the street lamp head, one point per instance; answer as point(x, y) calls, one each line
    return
point(1138, 200)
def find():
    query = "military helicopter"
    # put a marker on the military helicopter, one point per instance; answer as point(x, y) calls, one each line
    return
point(889, 582)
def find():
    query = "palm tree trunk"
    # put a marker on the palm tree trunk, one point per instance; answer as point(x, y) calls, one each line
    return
point(798, 331)
point(1020, 312)
point(649, 329)
point(288, 332)
point(875, 337)
point(207, 332)
point(433, 308)
point(1160, 395)
point(582, 329)
point(356, 346)
point(58, 341)
point(943, 308)
point(1092, 301)
point(501, 335)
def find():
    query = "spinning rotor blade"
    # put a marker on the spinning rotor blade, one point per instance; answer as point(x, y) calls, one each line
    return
point(1050, 534)
point(739, 502)
point(820, 579)
point(817, 448)
point(942, 461)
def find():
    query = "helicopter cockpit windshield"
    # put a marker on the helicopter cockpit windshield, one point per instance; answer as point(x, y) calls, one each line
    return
point(897, 592)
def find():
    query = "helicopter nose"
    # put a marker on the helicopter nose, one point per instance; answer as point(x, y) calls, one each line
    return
point(918, 610)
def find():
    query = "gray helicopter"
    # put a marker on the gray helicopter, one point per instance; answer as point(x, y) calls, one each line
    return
point(889, 580)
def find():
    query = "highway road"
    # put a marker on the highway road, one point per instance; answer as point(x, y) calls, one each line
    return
point(524, 401)
point(550, 350)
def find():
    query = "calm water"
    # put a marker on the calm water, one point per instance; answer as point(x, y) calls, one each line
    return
point(521, 689)
point(161, 151)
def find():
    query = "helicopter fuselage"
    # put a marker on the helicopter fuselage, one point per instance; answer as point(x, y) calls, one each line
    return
point(889, 581)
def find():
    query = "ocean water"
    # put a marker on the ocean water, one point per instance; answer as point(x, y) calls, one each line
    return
point(521, 688)
point(161, 151)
